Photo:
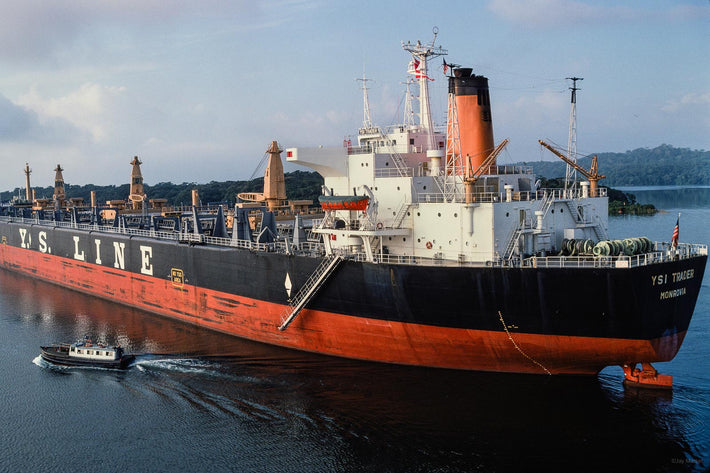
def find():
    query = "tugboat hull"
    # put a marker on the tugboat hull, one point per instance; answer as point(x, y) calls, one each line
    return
point(60, 356)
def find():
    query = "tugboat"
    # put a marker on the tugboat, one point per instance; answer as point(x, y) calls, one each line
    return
point(86, 353)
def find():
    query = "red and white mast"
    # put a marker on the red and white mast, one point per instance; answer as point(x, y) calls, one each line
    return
point(418, 67)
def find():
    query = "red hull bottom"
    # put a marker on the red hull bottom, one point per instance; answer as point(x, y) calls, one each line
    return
point(342, 335)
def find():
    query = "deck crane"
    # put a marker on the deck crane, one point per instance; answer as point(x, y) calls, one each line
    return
point(473, 176)
point(593, 175)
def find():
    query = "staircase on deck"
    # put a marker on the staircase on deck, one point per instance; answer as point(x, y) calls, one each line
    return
point(310, 288)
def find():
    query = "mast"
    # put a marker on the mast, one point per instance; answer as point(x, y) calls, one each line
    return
point(137, 194)
point(408, 112)
point(454, 162)
point(28, 189)
point(59, 194)
point(571, 174)
point(418, 67)
point(367, 126)
point(274, 180)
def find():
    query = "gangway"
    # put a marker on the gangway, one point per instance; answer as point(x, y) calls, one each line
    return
point(309, 289)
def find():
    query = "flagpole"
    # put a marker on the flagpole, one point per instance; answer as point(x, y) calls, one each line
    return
point(674, 238)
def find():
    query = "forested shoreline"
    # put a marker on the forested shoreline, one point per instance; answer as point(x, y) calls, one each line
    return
point(663, 165)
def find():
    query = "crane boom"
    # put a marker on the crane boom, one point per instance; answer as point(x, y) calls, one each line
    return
point(592, 174)
point(474, 175)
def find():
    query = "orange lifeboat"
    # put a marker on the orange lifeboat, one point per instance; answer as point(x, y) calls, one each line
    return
point(344, 202)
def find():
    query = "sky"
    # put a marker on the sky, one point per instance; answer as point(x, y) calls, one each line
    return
point(198, 90)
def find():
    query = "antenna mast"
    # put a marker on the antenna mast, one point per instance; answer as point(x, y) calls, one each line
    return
point(418, 67)
point(367, 126)
point(571, 174)
point(408, 112)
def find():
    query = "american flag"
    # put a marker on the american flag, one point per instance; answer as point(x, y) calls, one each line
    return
point(674, 239)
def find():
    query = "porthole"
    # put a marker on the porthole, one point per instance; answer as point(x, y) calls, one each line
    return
point(397, 187)
point(439, 214)
point(418, 214)
point(456, 215)
point(424, 187)
point(508, 214)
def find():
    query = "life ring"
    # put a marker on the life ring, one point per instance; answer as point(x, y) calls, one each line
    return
point(428, 245)
point(379, 225)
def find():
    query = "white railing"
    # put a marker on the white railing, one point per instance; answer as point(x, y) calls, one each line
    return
point(548, 195)
point(278, 246)
point(664, 252)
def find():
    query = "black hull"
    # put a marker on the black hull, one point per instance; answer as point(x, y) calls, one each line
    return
point(593, 302)
point(53, 356)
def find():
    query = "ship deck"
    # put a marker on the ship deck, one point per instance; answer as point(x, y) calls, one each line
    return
point(663, 252)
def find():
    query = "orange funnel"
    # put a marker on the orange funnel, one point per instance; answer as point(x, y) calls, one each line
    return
point(473, 107)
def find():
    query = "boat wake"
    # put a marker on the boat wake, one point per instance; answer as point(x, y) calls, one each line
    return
point(185, 365)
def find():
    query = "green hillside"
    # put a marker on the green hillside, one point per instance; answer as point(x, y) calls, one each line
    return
point(664, 165)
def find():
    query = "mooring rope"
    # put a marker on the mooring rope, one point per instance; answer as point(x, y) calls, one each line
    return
point(505, 327)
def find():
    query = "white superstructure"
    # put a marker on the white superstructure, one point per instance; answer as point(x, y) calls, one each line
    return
point(427, 203)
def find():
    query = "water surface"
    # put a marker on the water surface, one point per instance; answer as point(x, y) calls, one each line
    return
point(201, 401)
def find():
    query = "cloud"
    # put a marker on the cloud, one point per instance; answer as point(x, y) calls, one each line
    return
point(546, 13)
point(87, 108)
point(22, 125)
point(692, 109)
point(690, 100)
point(33, 30)
point(529, 111)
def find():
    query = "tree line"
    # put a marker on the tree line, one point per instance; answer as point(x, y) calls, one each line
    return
point(300, 185)
point(663, 165)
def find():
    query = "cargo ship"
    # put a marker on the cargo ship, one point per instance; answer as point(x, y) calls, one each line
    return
point(426, 252)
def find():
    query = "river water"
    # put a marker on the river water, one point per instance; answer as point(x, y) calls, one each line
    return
point(201, 401)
